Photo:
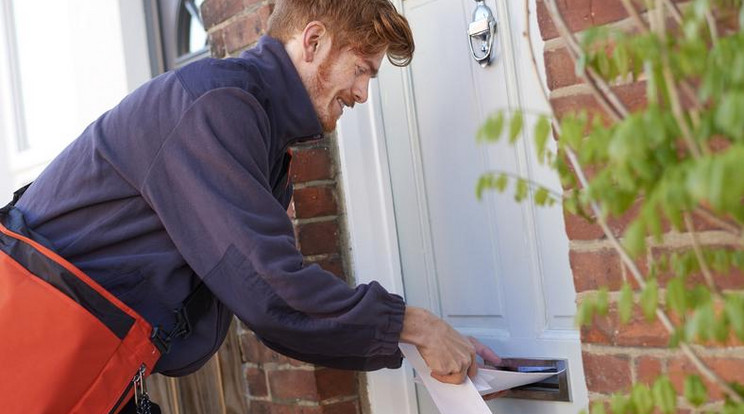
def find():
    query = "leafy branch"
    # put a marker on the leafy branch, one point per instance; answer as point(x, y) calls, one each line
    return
point(677, 159)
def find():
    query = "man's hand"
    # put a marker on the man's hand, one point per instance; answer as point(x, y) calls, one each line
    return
point(450, 355)
point(484, 352)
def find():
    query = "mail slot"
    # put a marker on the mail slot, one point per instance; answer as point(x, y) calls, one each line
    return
point(554, 388)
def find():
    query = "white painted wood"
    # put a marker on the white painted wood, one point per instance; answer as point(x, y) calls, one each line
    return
point(373, 241)
point(91, 74)
point(495, 269)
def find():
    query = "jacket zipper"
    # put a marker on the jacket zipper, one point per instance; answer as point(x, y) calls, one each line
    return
point(138, 377)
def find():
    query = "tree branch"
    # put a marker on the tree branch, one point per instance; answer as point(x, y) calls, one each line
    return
point(574, 50)
point(712, 27)
point(676, 13)
point(632, 12)
point(707, 275)
point(628, 261)
point(600, 89)
point(718, 222)
point(672, 91)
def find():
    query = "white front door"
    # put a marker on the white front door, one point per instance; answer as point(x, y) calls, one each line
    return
point(495, 269)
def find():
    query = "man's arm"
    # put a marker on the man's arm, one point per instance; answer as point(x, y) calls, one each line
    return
point(209, 187)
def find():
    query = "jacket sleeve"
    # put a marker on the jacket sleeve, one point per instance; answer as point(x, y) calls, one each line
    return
point(208, 185)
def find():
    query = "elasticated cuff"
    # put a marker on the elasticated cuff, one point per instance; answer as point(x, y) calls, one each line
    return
point(388, 336)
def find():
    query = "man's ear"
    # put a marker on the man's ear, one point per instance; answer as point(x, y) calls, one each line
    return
point(313, 37)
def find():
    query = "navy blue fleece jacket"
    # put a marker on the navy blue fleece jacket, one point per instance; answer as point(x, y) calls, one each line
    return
point(186, 181)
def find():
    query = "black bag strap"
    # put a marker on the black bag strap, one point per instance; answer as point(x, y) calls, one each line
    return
point(16, 196)
point(195, 305)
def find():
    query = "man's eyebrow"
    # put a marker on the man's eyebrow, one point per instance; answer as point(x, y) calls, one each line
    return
point(371, 67)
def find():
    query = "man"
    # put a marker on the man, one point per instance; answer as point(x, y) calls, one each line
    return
point(184, 184)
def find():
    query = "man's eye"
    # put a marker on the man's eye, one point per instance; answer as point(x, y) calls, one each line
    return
point(360, 70)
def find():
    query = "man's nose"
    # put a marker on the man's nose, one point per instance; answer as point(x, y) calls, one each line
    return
point(361, 90)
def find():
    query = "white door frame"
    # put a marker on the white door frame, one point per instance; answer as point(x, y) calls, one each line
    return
point(372, 234)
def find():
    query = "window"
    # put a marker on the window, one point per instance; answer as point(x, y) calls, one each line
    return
point(61, 67)
point(176, 32)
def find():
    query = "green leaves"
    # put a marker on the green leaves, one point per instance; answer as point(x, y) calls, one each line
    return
point(650, 299)
point(701, 325)
point(491, 130)
point(598, 408)
point(625, 304)
point(665, 397)
point(729, 115)
point(643, 167)
point(491, 181)
point(642, 399)
point(676, 295)
point(542, 132)
point(499, 181)
point(695, 391)
point(734, 309)
point(596, 303)
point(634, 239)
point(515, 126)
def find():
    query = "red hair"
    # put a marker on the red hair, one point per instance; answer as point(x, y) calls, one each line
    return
point(367, 26)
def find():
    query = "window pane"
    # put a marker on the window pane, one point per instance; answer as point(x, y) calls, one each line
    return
point(71, 66)
point(197, 34)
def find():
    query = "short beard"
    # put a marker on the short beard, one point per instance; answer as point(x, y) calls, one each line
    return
point(316, 86)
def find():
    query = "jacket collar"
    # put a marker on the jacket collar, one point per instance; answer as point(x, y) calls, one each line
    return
point(288, 103)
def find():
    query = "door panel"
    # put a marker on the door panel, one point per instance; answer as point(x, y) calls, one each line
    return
point(447, 112)
point(495, 268)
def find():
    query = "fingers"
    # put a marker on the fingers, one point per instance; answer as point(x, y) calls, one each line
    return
point(456, 378)
point(473, 369)
point(485, 352)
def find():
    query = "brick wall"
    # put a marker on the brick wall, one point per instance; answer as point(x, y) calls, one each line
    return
point(277, 384)
point(616, 356)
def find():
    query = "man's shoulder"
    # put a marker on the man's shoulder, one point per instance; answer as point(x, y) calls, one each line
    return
point(209, 74)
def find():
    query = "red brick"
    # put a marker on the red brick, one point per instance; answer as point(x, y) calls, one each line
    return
point(648, 369)
point(217, 43)
point(256, 379)
point(311, 165)
point(560, 69)
point(246, 30)
point(593, 270)
point(267, 407)
point(637, 332)
point(731, 281)
point(318, 238)
point(335, 383)
point(679, 368)
point(346, 407)
point(293, 385)
point(600, 331)
point(256, 352)
point(579, 228)
point(579, 15)
point(734, 280)
point(730, 369)
point(641, 333)
point(633, 95)
point(315, 202)
point(217, 11)
point(251, 348)
point(332, 264)
point(606, 373)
